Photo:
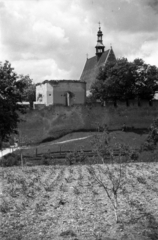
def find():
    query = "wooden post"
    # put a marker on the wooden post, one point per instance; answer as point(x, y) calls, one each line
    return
point(36, 151)
point(21, 156)
point(68, 98)
point(60, 150)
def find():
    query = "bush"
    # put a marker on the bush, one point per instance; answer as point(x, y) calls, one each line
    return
point(90, 100)
point(10, 160)
point(5, 145)
point(76, 157)
point(46, 159)
point(148, 146)
point(152, 138)
point(134, 155)
point(153, 134)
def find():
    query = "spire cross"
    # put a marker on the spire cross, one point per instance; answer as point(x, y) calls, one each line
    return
point(99, 24)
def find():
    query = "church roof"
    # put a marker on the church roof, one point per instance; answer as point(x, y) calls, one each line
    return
point(59, 81)
point(99, 44)
point(92, 67)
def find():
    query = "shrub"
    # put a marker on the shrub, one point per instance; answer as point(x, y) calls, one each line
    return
point(46, 159)
point(134, 155)
point(68, 233)
point(5, 207)
point(10, 160)
point(141, 180)
point(153, 134)
point(5, 145)
point(76, 157)
point(152, 138)
point(90, 99)
point(148, 146)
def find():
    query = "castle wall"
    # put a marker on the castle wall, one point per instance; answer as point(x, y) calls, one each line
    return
point(56, 120)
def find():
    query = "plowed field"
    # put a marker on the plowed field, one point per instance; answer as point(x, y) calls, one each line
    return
point(58, 202)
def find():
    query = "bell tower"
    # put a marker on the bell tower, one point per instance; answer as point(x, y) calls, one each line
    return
point(100, 46)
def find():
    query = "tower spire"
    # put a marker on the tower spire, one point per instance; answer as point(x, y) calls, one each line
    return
point(99, 25)
point(100, 46)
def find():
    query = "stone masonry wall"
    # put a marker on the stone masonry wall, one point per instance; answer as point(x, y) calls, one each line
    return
point(54, 121)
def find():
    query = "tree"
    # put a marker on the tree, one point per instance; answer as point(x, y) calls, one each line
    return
point(10, 96)
point(29, 88)
point(146, 80)
point(152, 138)
point(123, 80)
point(111, 175)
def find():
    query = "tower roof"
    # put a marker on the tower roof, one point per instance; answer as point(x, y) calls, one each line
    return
point(100, 46)
point(93, 65)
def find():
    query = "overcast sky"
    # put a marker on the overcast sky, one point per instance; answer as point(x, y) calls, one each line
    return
point(49, 39)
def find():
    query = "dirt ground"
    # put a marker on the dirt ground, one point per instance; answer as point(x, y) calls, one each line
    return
point(64, 202)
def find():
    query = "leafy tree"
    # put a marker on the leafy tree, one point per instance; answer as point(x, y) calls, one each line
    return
point(146, 82)
point(10, 96)
point(125, 80)
point(28, 92)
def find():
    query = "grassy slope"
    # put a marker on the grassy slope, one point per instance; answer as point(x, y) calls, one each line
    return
point(43, 202)
point(132, 139)
point(56, 121)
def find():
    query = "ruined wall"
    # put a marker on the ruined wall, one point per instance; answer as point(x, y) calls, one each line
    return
point(41, 91)
point(55, 92)
point(49, 94)
point(77, 92)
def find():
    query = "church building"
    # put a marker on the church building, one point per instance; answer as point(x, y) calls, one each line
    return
point(63, 92)
point(93, 64)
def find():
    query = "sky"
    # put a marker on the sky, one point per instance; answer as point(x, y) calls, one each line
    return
point(50, 39)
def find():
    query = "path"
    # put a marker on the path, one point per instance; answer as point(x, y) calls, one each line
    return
point(12, 149)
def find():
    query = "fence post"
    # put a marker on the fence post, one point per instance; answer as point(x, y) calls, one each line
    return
point(36, 151)
point(21, 156)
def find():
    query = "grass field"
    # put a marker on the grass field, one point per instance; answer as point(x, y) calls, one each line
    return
point(64, 202)
point(132, 139)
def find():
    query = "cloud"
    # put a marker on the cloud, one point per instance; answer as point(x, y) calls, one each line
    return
point(39, 70)
point(2, 5)
point(153, 4)
point(50, 39)
point(122, 15)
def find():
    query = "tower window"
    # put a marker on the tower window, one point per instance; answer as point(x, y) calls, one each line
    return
point(99, 38)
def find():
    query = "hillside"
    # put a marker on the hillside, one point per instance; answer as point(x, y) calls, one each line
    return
point(55, 121)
